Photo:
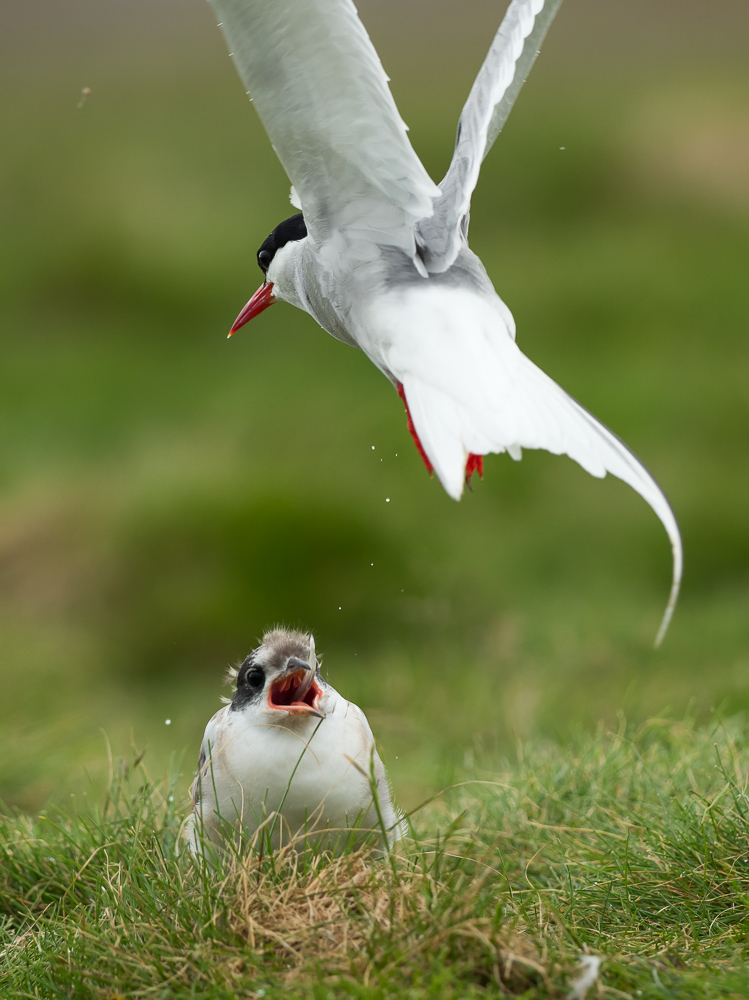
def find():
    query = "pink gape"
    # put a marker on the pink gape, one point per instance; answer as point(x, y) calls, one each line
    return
point(475, 463)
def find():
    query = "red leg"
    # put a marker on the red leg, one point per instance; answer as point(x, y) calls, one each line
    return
point(412, 429)
point(475, 463)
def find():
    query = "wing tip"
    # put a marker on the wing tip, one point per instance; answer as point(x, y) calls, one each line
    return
point(673, 597)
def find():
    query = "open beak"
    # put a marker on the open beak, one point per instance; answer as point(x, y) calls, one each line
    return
point(262, 298)
point(296, 691)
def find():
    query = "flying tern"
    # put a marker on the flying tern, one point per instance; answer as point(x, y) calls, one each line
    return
point(378, 254)
point(289, 759)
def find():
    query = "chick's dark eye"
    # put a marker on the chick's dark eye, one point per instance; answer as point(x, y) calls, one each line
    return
point(264, 257)
point(255, 678)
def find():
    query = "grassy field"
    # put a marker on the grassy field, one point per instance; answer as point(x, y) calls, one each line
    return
point(630, 847)
point(166, 495)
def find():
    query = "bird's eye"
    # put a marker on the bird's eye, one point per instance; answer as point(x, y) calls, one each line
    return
point(255, 678)
point(264, 257)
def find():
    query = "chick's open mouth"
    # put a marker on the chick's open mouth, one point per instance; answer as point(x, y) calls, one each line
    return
point(284, 694)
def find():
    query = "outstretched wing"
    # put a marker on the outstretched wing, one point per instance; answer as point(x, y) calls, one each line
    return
point(492, 96)
point(321, 92)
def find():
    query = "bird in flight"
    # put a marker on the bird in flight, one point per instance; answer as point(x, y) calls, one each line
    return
point(378, 254)
point(289, 759)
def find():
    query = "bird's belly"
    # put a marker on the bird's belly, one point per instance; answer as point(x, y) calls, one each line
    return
point(265, 769)
point(451, 338)
point(452, 348)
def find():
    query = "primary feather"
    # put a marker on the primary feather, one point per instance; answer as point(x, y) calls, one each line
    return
point(321, 92)
point(484, 114)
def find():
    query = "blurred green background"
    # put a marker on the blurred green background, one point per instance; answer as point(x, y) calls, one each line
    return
point(166, 495)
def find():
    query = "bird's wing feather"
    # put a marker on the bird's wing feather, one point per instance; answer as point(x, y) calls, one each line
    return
point(321, 92)
point(492, 96)
point(537, 413)
point(478, 393)
point(209, 741)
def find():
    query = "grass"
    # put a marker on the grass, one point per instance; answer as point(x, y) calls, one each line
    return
point(165, 496)
point(630, 846)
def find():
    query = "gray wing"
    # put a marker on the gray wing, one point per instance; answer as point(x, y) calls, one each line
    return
point(492, 96)
point(317, 83)
point(209, 739)
point(196, 792)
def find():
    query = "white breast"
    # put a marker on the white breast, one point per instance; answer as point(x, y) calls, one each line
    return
point(316, 772)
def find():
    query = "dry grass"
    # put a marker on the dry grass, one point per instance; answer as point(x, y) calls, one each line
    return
point(340, 917)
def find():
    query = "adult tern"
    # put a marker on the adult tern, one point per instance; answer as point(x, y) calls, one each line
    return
point(289, 757)
point(379, 255)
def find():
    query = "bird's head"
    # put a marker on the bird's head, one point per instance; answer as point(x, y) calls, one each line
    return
point(281, 677)
point(274, 255)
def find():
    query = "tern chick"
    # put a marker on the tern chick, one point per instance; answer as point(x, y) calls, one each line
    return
point(289, 759)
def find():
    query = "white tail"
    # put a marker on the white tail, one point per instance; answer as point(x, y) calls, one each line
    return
point(532, 412)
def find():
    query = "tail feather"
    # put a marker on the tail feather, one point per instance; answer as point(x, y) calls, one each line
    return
point(534, 413)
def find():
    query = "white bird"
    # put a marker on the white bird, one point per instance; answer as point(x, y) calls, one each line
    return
point(379, 254)
point(289, 759)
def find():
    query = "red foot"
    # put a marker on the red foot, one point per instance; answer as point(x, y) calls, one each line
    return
point(475, 463)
